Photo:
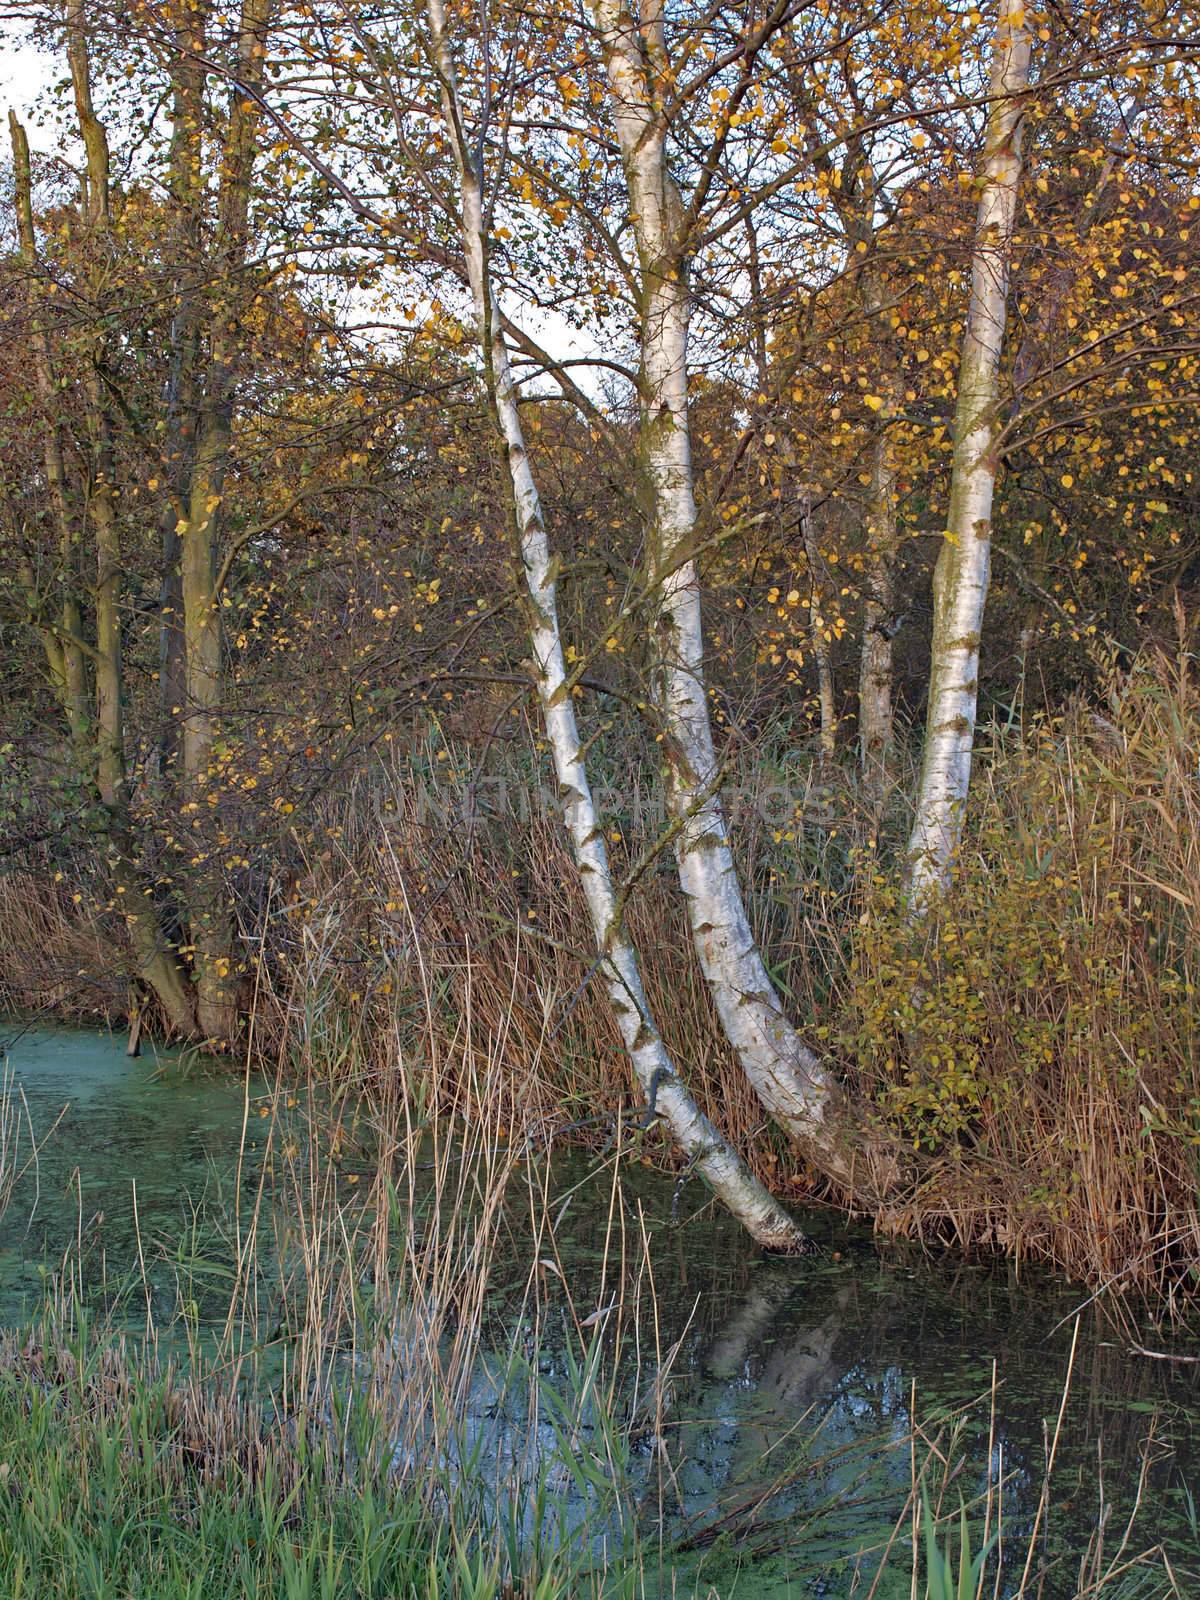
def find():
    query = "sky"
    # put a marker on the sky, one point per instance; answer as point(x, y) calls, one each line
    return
point(24, 73)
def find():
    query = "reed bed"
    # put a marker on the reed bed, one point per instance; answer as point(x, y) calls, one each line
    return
point(1034, 1050)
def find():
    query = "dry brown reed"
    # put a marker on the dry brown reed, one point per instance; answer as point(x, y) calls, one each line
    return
point(1038, 1043)
point(486, 916)
point(1034, 1047)
point(56, 960)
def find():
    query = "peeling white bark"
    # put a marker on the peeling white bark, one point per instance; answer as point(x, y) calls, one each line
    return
point(960, 582)
point(719, 1165)
point(788, 1078)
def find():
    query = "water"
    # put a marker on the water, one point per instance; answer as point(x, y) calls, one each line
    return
point(779, 1363)
point(128, 1148)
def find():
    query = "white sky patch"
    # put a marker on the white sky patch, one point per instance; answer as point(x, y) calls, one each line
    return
point(24, 73)
point(562, 342)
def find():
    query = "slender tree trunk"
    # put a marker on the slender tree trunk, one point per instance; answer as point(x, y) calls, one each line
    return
point(875, 707)
point(209, 914)
point(820, 645)
point(209, 917)
point(100, 506)
point(156, 963)
point(786, 1075)
point(101, 510)
point(185, 188)
point(65, 657)
point(854, 194)
point(723, 1170)
point(1026, 639)
point(960, 580)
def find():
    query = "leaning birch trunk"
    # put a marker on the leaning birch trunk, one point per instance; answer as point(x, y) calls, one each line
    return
point(960, 581)
point(762, 1216)
point(788, 1078)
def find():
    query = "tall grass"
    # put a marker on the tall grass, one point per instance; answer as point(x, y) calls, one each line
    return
point(324, 1424)
point(377, 1377)
point(955, 1543)
point(167, 1465)
point(19, 1143)
point(1037, 1045)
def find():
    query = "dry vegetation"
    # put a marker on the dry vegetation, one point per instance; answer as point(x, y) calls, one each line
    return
point(1034, 1051)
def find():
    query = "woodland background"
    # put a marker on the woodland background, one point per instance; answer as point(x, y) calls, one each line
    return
point(274, 765)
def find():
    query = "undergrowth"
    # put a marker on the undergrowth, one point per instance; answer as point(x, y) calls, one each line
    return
point(1032, 1049)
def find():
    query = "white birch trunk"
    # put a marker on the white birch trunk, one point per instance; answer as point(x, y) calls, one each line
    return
point(787, 1077)
point(719, 1165)
point(960, 580)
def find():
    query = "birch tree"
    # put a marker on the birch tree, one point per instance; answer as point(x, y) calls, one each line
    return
point(199, 526)
point(960, 582)
point(388, 82)
point(186, 23)
point(617, 959)
point(791, 1081)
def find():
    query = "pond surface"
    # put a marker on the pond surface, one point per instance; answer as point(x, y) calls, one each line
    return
point(853, 1345)
point(127, 1148)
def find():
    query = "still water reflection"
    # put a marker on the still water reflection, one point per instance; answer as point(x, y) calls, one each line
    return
point(777, 1365)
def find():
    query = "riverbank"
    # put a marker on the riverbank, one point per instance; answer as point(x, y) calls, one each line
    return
point(374, 1345)
point(1032, 1052)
